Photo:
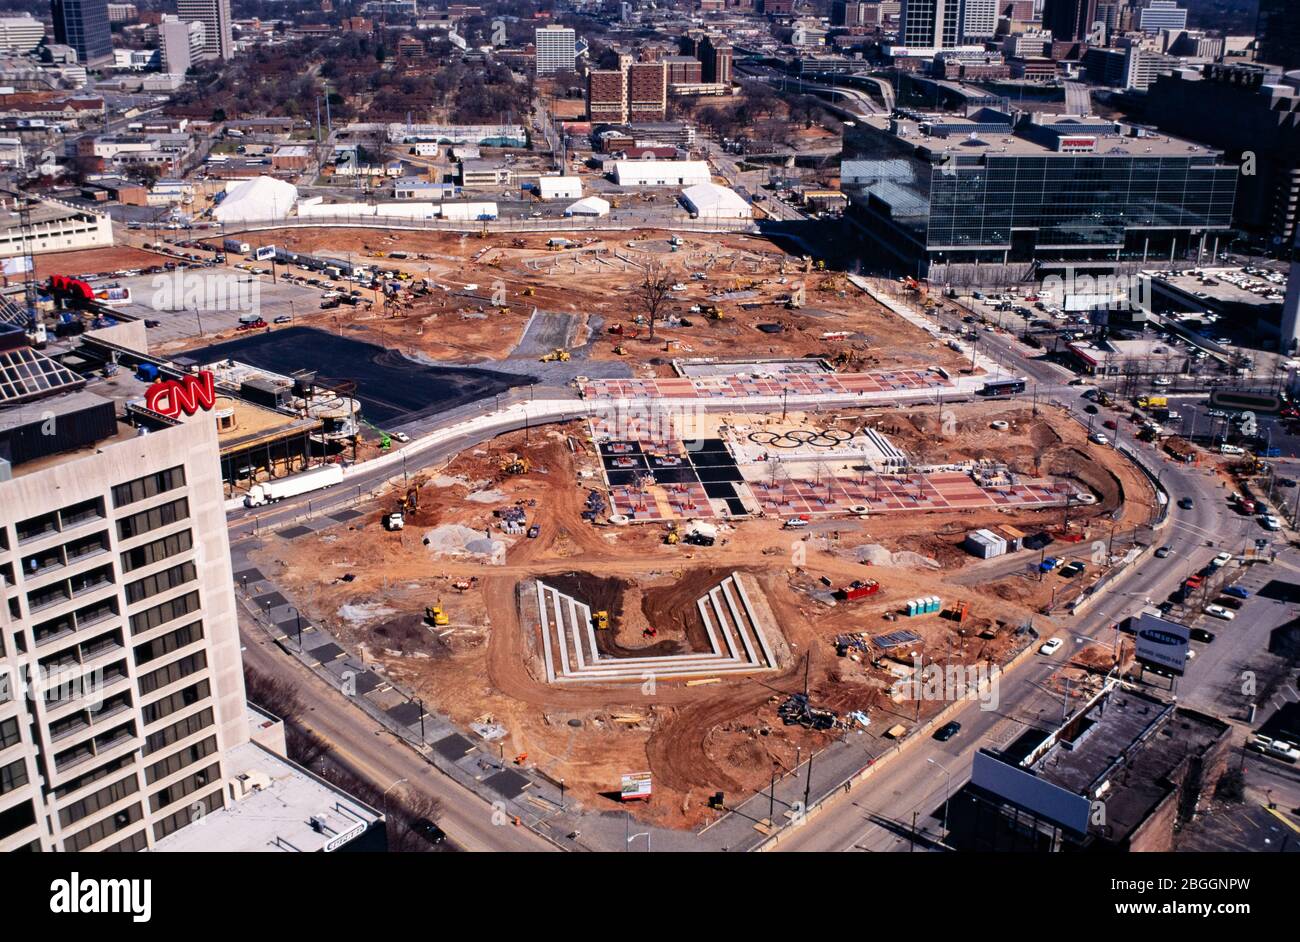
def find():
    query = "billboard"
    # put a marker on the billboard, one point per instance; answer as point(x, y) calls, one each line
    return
point(636, 786)
point(1161, 644)
point(265, 253)
point(1028, 791)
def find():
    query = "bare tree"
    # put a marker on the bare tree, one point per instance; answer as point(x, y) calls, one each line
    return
point(652, 293)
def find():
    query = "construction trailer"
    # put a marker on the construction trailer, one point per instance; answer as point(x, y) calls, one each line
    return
point(985, 544)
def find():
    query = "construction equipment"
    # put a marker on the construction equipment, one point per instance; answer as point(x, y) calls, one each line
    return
point(558, 355)
point(620, 350)
point(514, 464)
point(600, 620)
point(394, 521)
point(434, 615)
point(529, 292)
point(858, 589)
point(411, 502)
point(712, 313)
point(672, 537)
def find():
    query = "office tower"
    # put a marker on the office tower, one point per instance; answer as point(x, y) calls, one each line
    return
point(20, 33)
point(647, 92)
point(980, 20)
point(1069, 20)
point(218, 40)
point(1278, 32)
point(556, 49)
point(180, 44)
point(1161, 14)
point(930, 24)
point(1242, 109)
point(715, 54)
point(119, 613)
point(852, 13)
point(1291, 306)
point(83, 25)
point(607, 96)
point(684, 70)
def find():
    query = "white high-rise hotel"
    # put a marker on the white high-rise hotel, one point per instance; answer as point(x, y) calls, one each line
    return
point(122, 712)
point(556, 49)
point(115, 567)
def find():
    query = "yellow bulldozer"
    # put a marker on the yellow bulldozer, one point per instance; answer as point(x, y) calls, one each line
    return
point(434, 615)
point(558, 355)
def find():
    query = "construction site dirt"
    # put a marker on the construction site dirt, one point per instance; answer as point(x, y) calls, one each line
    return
point(735, 292)
point(717, 733)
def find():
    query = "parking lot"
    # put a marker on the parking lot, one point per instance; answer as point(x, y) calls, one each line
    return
point(207, 301)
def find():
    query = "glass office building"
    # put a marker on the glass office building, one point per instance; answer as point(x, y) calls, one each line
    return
point(994, 189)
point(83, 25)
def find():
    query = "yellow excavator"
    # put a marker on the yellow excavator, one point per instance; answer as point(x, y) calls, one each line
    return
point(600, 620)
point(514, 464)
point(434, 615)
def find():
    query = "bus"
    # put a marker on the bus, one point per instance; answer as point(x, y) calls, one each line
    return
point(1003, 387)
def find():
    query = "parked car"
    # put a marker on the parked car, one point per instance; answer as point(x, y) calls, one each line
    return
point(1201, 635)
point(1050, 646)
point(1278, 748)
point(1186, 503)
point(1072, 570)
point(1048, 564)
point(1097, 438)
point(1218, 611)
point(1237, 592)
point(1222, 559)
point(282, 319)
point(1090, 409)
point(1162, 552)
point(1269, 522)
point(1229, 602)
point(401, 437)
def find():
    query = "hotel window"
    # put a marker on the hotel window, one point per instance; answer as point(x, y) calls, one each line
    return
point(148, 486)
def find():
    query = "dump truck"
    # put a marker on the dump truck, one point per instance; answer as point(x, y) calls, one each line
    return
point(260, 494)
point(1152, 402)
point(394, 520)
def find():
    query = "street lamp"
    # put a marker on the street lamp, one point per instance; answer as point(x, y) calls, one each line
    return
point(947, 794)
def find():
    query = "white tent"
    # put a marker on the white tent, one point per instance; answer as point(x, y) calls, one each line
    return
point(559, 188)
point(256, 199)
point(710, 201)
point(591, 206)
point(661, 172)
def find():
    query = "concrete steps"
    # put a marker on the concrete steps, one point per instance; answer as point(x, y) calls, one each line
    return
point(737, 642)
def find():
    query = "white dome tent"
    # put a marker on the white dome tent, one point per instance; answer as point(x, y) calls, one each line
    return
point(590, 206)
point(711, 201)
point(256, 199)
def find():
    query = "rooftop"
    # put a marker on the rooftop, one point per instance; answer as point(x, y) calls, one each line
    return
point(966, 136)
point(285, 808)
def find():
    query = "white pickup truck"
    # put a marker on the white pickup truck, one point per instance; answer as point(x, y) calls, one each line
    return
point(260, 494)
